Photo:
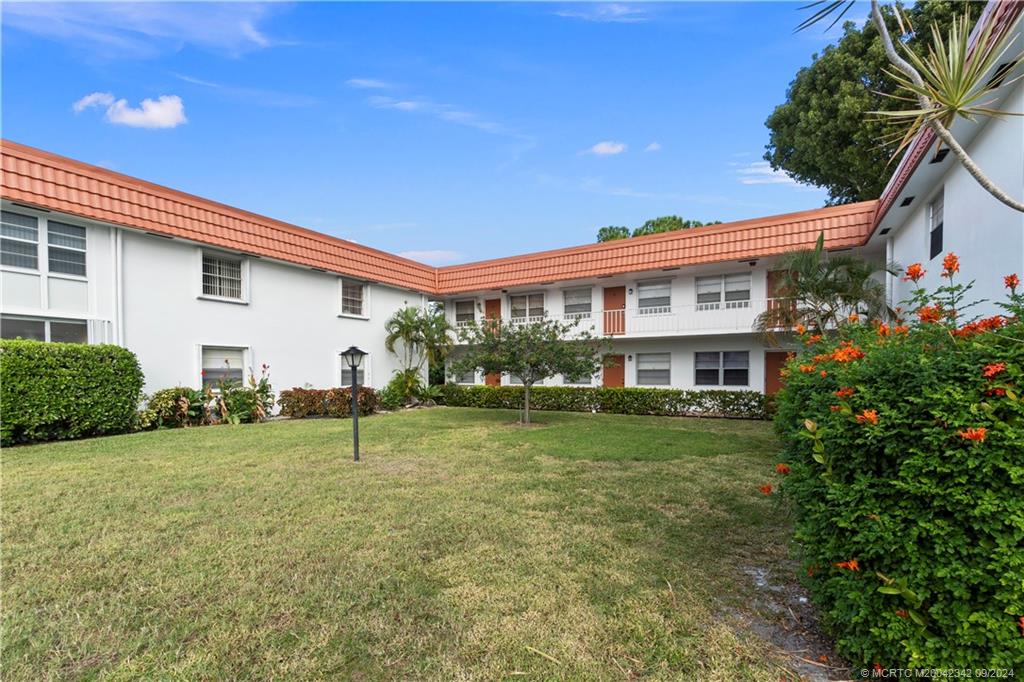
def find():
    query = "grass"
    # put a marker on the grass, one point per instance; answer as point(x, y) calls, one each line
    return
point(462, 547)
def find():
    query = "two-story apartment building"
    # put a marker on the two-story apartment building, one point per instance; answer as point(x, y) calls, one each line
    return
point(200, 290)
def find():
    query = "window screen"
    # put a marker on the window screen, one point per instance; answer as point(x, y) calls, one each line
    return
point(654, 369)
point(222, 276)
point(735, 368)
point(656, 294)
point(222, 364)
point(346, 373)
point(709, 292)
point(577, 302)
point(19, 240)
point(66, 252)
point(707, 367)
point(351, 298)
point(527, 305)
point(737, 290)
point(465, 312)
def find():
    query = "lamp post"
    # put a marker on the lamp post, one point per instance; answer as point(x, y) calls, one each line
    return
point(353, 357)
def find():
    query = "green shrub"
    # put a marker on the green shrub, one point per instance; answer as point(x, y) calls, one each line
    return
point(326, 402)
point(903, 456)
point(653, 401)
point(56, 391)
point(180, 406)
point(229, 404)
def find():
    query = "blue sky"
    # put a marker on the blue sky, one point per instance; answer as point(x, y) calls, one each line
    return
point(450, 132)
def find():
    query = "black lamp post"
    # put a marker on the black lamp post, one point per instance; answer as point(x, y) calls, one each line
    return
point(353, 357)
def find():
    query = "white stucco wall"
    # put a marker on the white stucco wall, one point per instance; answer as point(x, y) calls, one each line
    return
point(291, 321)
point(987, 235)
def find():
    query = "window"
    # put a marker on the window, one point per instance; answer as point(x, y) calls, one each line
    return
point(527, 305)
point(465, 314)
point(935, 226)
point(654, 296)
point(222, 276)
point(576, 303)
point(352, 299)
point(468, 377)
point(66, 252)
point(654, 369)
point(19, 241)
point(736, 288)
point(729, 368)
point(35, 329)
point(222, 364)
point(346, 372)
point(585, 380)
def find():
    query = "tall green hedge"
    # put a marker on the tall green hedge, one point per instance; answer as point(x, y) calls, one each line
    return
point(56, 391)
point(904, 456)
point(653, 401)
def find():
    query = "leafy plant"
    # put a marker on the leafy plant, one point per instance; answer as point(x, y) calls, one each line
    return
point(418, 337)
point(299, 403)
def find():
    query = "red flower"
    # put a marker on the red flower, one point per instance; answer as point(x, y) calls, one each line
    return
point(811, 569)
point(993, 369)
point(844, 392)
point(835, 408)
point(1020, 623)
point(975, 434)
point(766, 489)
point(782, 468)
point(902, 613)
point(950, 264)
point(1011, 282)
point(929, 313)
point(824, 374)
point(996, 391)
point(868, 416)
point(914, 273)
point(849, 564)
point(202, 372)
point(878, 668)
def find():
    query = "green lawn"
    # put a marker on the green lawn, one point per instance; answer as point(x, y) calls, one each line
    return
point(462, 547)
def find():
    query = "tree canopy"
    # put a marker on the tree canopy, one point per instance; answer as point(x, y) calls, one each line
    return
point(823, 134)
point(665, 223)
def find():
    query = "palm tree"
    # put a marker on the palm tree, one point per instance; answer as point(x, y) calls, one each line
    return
point(819, 291)
point(424, 334)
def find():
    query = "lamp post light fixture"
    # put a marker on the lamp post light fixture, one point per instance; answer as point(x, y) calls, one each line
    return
point(353, 357)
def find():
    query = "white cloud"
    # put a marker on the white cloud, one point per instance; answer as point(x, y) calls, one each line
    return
point(266, 98)
point(166, 111)
point(368, 84)
point(144, 29)
point(614, 12)
point(445, 112)
point(433, 257)
point(761, 173)
point(653, 147)
point(607, 148)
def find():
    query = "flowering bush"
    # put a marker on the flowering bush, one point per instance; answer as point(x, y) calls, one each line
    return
point(904, 456)
point(231, 403)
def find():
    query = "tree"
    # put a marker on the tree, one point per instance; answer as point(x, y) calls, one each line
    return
point(530, 352)
point(820, 290)
point(425, 338)
point(822, 134)
point(666, 223)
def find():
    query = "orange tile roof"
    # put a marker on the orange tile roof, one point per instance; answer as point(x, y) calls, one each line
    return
point(844, 226)
point(32, 176)
point(38, 178)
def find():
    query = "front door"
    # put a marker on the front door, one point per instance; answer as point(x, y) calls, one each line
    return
point(492, 311)
point(774, 362)
point(614, 371)
point(614, 310)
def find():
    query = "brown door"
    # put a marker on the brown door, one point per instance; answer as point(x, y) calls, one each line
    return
point(614, 370)
point(774, 362)
point(492, 311)
point(614, 311)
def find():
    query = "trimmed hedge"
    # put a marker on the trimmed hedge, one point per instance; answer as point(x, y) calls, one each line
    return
point(299, 403)
point(904, 456)
point(57, 391)
point(652, 401)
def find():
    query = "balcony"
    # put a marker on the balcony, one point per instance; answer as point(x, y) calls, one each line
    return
point(728, 317)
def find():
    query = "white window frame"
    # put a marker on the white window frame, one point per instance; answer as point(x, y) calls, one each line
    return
point(723, 291)
point(455, 312)
point(365, 366)
point(47, 332)
point(42, 246)
point(246, 361)
point(579, 315)
point(243, 270)
point(654, 309)
point(721, 368)
point(84, 250)
point(638, 370)
point(528, 317)
point(365, 314)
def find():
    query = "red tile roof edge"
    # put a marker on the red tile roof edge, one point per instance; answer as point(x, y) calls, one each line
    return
point(1003, 12)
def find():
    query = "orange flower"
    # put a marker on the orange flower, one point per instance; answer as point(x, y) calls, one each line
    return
point(914, 273)
point(782, 468)
point(824, 374)
point(835, 408)
point(868, 416)
point(806, 369)
point(950, 264)
point(849, 564)
point(975, 434)
point(800, 329)
point(853, 317)
point(1011, 282)
point(813, 340)
point(811, 569)
point(902, 613)
point(901, 329)
point(844, 392)
point(929, 313)
point(847, 352)
point(993, 369)
point(988, 324)
point(883, 330)
point(766, 489)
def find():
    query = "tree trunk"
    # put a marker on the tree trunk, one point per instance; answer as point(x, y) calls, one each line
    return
point(526, 403)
